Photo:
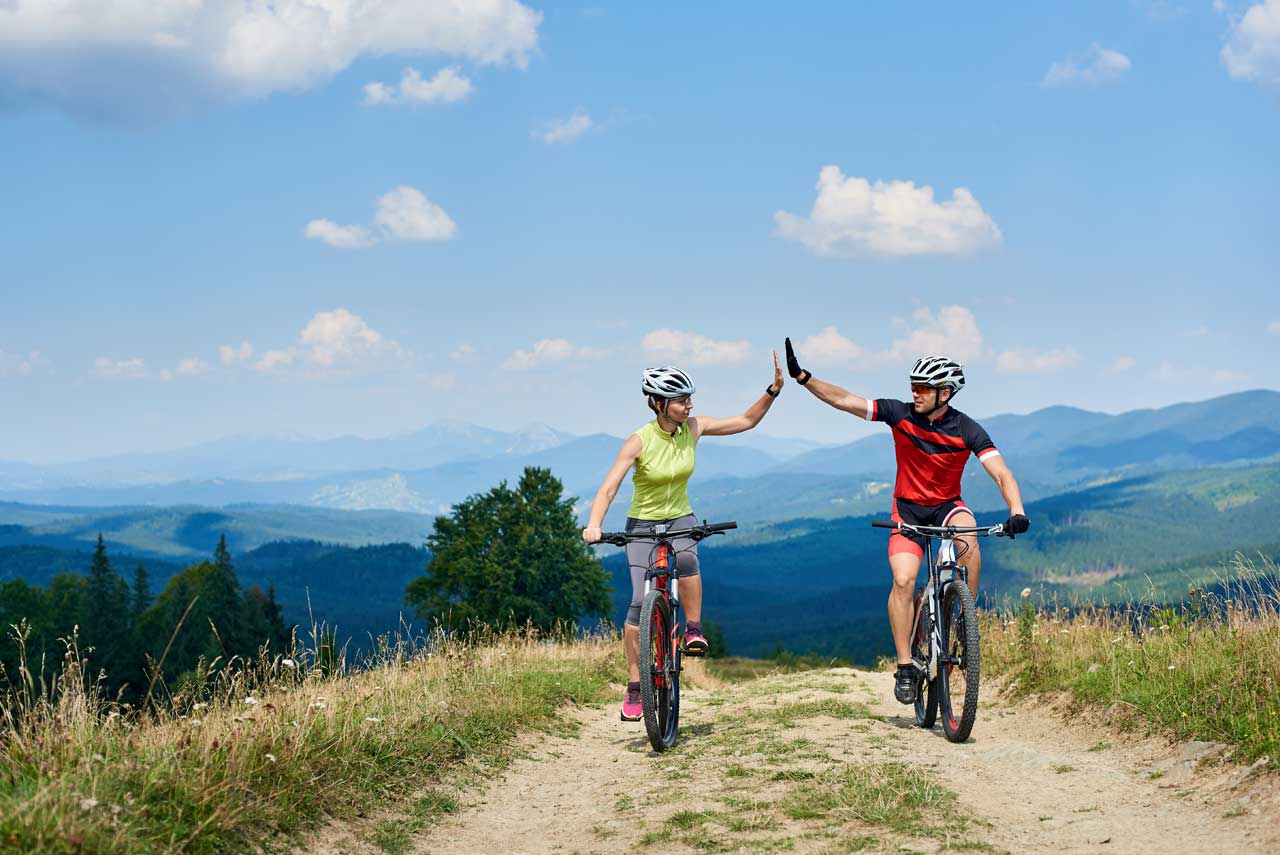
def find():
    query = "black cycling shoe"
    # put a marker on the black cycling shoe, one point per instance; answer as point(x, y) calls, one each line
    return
point(904, 684)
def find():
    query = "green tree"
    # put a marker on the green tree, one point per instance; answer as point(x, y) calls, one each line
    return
point(507, 557)
point(108, 621)
point(141, 592)
point(717, 647)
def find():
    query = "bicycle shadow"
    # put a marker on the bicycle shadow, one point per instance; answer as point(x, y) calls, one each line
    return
point(640, 742)
point(908, 722)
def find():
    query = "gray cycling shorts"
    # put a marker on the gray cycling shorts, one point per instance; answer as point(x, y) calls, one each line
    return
point(638, 553)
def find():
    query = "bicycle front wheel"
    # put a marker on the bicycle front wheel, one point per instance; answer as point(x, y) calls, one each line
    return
point(659, 671)
point(959, 672)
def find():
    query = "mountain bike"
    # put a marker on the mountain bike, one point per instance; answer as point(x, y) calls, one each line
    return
point(661, 627)
point(944, 632)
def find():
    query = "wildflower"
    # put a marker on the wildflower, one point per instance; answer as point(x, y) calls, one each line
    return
point(99, 758)
point(1026, 593)
point(195, 722)
point(373, 719)
point(1171, 667)
point(199, 706)
point(1164, 626)
point(271, 758)
point(1117, 640)
point(318, 705)
point(288, 663)
point(1130, 663)
point(88, 803)
point(251, 701)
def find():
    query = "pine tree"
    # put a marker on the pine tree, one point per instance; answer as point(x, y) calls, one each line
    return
point(141, 592)
point(108, 620)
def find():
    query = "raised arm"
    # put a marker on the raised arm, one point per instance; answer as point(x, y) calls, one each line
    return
point(707, 426)
point(627, 458)
point(828, 393)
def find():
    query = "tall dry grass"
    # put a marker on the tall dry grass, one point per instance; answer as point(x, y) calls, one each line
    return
point(263, 749)
point(1206, 669)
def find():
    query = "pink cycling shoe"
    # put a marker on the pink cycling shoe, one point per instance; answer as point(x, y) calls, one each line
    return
point(631, 708)
point(695, 644)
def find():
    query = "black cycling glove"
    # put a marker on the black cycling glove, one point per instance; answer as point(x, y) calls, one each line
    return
point(793, 366)
point(1016, 524)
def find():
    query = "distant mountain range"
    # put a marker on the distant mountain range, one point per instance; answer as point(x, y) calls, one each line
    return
point(427, 471)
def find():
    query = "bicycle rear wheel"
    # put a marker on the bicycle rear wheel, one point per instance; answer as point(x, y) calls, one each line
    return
point(958, 676)
point(659, 671)
point(926, 689)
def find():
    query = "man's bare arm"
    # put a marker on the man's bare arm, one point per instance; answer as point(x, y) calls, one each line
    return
point(830, 393)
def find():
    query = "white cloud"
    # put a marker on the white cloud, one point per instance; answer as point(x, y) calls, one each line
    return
point(1197, 332)
point(564, 130)
point(1252, 51)
point(106, 368)
point(465, 351)
point(406, 214)
point(550, 350)
point(274, 359)
point(403, 214)
point(191, 367)
point(342, 340)
point(231, 354)
point(448, 86)
point(853, 217)
point(129, 60)
point(1227, 376)
point(1122, 364)
point(829, 347)
point(1096, 65)
point(342, 237)
point(21, 364)
point(952, 332)
point(694, 349)
point(1274, 327)
point(1026, 360)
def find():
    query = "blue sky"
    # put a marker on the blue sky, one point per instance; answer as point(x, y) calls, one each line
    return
point(625, 185)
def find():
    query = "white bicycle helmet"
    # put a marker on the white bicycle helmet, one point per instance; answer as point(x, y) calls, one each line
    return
point(939, 372)
point(667, 382)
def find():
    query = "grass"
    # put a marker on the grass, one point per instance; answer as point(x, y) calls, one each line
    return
point(736, 669)
point(895, 796)
point(1208, 669)
point(788, 714)
point(279, 748)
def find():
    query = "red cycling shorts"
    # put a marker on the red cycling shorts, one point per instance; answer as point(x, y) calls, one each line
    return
point(910, 512)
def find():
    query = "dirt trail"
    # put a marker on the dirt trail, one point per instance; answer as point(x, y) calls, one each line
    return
point(816, 762)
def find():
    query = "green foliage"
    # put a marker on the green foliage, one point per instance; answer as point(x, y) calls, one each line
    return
point(510, 557)
point(202, 616)
point(717, 647)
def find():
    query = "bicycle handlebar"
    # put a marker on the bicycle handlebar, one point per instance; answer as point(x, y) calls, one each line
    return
point(943, 530)
point(697, 532)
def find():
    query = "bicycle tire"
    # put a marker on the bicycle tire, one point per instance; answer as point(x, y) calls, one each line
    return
point(959, 640)
point(926, 703)
point(659, 672)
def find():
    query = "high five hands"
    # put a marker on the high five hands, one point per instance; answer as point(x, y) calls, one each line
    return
point(793, 366)
point(776, 386)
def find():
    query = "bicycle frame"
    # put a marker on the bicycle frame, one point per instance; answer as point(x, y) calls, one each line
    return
point(942, 573)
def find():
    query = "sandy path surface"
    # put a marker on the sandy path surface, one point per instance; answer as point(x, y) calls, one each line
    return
point(782, 764)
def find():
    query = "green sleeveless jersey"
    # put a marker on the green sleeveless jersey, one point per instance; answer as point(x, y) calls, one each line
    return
point(661, 475)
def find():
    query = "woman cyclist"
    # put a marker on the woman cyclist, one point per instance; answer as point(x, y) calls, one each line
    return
point(662, 454)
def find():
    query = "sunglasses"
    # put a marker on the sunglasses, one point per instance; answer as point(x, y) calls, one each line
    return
point(921, 388)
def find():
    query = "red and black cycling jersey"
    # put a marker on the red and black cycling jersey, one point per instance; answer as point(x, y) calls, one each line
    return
point(931, 455)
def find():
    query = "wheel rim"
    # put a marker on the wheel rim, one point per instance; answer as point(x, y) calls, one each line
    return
point(661, 666)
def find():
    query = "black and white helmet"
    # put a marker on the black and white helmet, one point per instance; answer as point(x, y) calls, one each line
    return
point(939, 372)
point(667, 382)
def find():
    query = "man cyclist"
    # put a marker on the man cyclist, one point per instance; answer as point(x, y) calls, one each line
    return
point(932, 441)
